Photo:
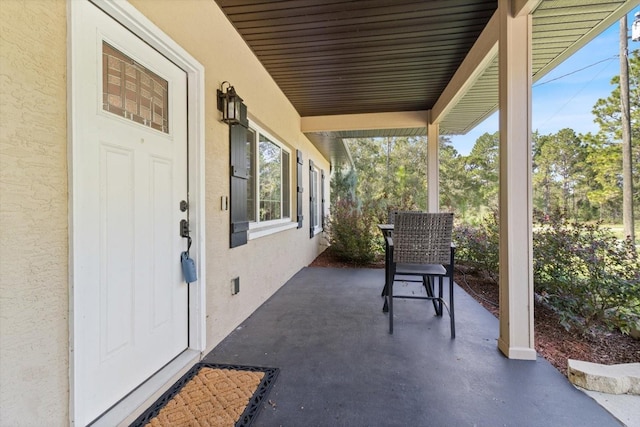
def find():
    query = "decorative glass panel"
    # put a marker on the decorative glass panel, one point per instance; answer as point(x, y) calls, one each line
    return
point(132, 91)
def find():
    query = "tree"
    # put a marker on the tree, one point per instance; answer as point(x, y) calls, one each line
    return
point(391, 172)
point(607, 110)
point(609, 118)
point(455, 194)
point(482, 166)
point(343, 184)
point(602, 169)
point(370, 164)
point(558, 164)
point(542, 174)
point(408, 176)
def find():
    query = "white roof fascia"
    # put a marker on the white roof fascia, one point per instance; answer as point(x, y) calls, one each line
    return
point(368, 121)
point(481, 55)
point(524, 7)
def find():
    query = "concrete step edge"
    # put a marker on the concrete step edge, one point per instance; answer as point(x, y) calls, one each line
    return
point(613, 379)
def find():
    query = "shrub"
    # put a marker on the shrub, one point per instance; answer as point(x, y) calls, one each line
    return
point(582, 270)
point(352, 233)
point(477, 246)
point(586, 273)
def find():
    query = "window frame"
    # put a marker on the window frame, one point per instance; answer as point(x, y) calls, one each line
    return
point(315, 187)
point(258, 228)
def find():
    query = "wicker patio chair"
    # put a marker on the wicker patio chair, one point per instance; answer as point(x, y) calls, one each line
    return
point(392, 213)
point(422, 247)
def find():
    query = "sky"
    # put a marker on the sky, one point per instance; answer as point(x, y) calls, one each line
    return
point(568, 101)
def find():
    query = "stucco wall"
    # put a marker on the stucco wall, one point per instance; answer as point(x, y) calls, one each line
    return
point(33, 214)
point(34, 263)
point(264, 264)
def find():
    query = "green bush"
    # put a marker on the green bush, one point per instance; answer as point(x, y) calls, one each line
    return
point(586, 273)
point(477, 246)
point(352, 232)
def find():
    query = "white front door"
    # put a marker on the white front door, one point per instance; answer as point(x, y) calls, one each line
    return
point(129, 178)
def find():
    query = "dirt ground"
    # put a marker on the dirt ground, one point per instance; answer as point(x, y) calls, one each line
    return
point(552, 341)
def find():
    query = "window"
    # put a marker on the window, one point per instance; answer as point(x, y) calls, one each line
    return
point(316, 199)
point(317, 221)
point(269, 171)
point(313, 186)
point(132, 91)
point(299, 188)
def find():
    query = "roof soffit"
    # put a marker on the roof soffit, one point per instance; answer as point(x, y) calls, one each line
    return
point(338, 58)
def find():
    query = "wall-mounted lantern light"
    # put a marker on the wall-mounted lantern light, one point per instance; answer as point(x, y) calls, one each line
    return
point(230, 104)
point(635, 28)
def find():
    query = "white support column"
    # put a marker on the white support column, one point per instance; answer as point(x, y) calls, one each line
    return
point(433, 168)
point(516, 249)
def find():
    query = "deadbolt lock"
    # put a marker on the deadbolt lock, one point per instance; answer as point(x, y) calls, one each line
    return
point(184, 228)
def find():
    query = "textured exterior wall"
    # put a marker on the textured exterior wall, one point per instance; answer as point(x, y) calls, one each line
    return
point(33, 214)
point(266, 263)
point(34, 263)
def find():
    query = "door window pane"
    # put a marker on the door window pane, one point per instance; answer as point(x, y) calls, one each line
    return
point(133, 91)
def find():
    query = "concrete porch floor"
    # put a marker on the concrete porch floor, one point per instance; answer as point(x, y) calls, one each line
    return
point(339, 366)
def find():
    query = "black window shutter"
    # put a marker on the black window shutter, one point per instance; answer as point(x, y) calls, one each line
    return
point(322, 199)
point(299, 185)
point(312, 201)
point(238, 169)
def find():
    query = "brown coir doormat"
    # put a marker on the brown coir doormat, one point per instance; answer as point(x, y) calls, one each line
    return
point(211, 395)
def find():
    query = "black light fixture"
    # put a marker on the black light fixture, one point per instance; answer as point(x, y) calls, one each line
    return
point(230, 104)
